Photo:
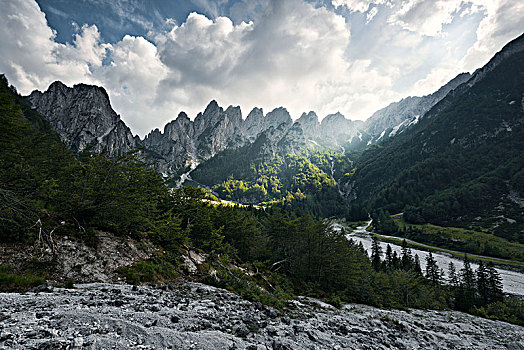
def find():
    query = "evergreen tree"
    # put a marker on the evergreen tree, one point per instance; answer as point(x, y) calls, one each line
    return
point(453, 278)
point(395, 261)
point(389, 258)
point(432, 269)
point(416, 268)
point(482, 283)
point(494, 283)
point(465, 297)
point(376, 253)
point(407, 257)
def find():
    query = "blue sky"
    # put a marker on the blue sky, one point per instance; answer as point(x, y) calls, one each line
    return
point(157, 57)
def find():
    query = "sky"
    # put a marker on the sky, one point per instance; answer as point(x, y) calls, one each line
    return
point(156, 58)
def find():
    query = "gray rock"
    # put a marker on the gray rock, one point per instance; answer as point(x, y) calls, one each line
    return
point(70, 323)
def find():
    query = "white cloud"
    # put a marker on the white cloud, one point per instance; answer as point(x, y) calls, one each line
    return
point(30, 56)
point(132, 80)
point(371, 14)
point(426, 17)
point(504, 21)
point(292, 54)
point(357, 5)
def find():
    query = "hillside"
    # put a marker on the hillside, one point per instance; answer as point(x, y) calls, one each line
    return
point(462, 164)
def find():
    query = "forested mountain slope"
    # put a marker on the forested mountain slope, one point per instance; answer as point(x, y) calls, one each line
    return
point(463, 163)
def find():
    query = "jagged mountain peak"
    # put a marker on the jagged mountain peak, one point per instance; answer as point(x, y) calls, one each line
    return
point(334, 117)
point(82, 115)
point(182, 116)
point(310, 116)
point(278, 116)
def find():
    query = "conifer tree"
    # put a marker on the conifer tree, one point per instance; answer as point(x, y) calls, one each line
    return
point(407, 257)
point(465, 297)
point(432, 269)
point(494, 283)
point(416, 267)
point(482, 283)
point(376, 252)
point(389, 258)
point(453, 278)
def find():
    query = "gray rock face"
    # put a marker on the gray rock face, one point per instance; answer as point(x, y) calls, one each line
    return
point(175, 147)
point(83, 117)
point(399, 115)
point(253, 124)
point(337, 130)
point(310, 125)
point(195, 316)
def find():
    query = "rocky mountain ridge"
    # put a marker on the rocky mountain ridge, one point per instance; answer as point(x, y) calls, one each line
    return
point(84, 118)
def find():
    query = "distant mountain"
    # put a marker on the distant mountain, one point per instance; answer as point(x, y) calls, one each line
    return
point(463, 162)
point(400, 115)
point(83, 117)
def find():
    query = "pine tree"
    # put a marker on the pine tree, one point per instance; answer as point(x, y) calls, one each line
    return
point(416, 268)
point(453, 278)
point(465, 296)
point(432, 269)
point(407, 258)
point(494, 283)
point(395, 261)
point(376, 252)
point(482, 283)
point(389, 258)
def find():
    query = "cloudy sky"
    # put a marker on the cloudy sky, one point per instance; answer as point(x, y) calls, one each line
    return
point(158, 57)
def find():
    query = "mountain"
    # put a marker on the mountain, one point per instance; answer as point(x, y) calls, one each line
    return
point(405, 133)
point(398, 116)
point(83, 117)
point(462, 164)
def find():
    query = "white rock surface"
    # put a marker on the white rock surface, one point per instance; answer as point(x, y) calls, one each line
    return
point(194, 316)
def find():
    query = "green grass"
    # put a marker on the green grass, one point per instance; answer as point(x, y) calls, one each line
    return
point(148, 272)
point(18, 282)
point(354, 224)
point(457, 241)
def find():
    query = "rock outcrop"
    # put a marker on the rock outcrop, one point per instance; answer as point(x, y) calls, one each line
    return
point(399, 115)
point(196, 316)
point(83, 117)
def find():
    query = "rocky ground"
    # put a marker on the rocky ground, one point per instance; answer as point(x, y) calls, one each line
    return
point(195, 316)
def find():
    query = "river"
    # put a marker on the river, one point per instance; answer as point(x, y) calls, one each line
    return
point(513, 281)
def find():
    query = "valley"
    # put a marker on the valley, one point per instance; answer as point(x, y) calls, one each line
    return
point(264, 230)
point(512, 278)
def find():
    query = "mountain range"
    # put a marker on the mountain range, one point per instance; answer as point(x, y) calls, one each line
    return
point(83, 117)
point(440, 158)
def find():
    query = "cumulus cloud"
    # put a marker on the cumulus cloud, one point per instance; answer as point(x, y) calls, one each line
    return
point(426, 17)
point(30, 56)
point(132, 78)
point(357, 5)
point(504, 21)
point(293, 56)
point(291, 53)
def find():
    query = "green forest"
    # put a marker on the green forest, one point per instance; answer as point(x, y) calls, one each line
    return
point(54, 192)
point(457, 166)
point(305, 181)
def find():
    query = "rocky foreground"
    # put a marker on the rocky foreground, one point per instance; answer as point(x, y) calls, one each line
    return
point(195, 316)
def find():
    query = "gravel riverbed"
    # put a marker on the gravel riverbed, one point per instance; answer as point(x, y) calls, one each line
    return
point(196, 316)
